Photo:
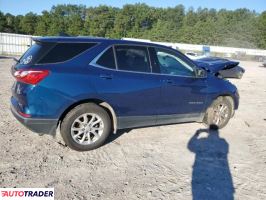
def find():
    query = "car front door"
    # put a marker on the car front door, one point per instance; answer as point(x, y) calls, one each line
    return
point(128, 84)
point(183, 94)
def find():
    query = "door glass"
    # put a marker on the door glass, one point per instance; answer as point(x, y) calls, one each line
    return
point(172, 64)
point(107, 59)
point(132, 58)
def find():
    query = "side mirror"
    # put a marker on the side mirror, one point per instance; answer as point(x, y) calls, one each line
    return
point(201, 73)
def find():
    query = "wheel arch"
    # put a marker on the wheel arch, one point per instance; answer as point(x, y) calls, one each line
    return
point(230, 97)
point(222, 97)
point(227, 96)
point(98, 102)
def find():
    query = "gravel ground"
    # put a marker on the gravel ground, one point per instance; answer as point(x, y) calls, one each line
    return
point(165, 162)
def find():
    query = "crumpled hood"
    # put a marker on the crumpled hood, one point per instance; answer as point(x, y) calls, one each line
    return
point(215, 64)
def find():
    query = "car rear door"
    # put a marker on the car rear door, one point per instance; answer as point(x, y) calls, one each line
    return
point(128, 84)
point(183, 95)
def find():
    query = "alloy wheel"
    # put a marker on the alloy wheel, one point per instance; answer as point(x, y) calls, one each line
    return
point(87, 128)
point(221, 114)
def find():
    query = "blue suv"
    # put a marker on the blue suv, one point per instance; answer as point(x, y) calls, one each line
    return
point(90, 87)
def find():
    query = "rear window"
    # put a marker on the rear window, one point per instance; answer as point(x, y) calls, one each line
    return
point(64, 51)
point(107, 59)
point(35, 52)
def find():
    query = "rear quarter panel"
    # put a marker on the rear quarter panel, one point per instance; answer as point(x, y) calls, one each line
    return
point(66, 84)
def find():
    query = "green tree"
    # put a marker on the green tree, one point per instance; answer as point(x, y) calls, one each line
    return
point(100, 21)
point(2, 22)
point(261, 25)
point(17, 21)
point(10, 20)
point(238, 28)
point(134, 20)
point(43, 23)
point(162, 31)
point(28, 23)
point(66, 19)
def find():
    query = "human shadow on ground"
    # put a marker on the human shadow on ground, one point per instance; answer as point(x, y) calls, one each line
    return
point(211, 176)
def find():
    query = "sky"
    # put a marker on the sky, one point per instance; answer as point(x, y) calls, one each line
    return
point(16, 7)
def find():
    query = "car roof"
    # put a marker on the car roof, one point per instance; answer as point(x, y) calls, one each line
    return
point(60, 39)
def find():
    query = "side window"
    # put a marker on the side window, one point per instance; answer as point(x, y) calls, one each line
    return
point(172, 64)
point(132, 58)
point(107, 59)
point(65, 51)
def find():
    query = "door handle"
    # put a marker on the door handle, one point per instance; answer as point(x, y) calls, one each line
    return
point(106, 76)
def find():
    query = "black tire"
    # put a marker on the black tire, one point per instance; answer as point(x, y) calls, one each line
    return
point(73, 115)
point(210, 118)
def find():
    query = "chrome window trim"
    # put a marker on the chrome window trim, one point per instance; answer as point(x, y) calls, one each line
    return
point(94, 64)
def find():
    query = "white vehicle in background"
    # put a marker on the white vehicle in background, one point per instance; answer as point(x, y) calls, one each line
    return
point(195, 56)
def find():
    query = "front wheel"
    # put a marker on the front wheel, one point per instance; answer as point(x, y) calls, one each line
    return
point(86, 127)
point(219, 113)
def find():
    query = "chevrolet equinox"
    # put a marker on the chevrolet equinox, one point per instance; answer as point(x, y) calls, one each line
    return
point(90, 87)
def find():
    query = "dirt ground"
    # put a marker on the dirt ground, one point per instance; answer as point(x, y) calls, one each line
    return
point(165, 162)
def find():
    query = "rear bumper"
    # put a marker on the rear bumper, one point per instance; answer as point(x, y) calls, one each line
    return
point(41, 126)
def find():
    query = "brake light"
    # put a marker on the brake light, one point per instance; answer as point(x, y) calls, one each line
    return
point(32, 77)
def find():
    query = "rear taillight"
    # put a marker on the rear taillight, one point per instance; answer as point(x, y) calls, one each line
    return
point(32, 77)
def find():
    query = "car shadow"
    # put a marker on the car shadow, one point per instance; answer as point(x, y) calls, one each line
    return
point(112, 137)
point(211, 176)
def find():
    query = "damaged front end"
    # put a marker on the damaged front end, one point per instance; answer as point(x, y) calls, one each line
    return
point(221, 67)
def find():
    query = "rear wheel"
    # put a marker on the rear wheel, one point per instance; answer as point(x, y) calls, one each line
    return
point(86, 127)
point(219, 113)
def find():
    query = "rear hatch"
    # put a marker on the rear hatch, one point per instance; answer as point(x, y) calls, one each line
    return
point(26, 75)
point(40, 61)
